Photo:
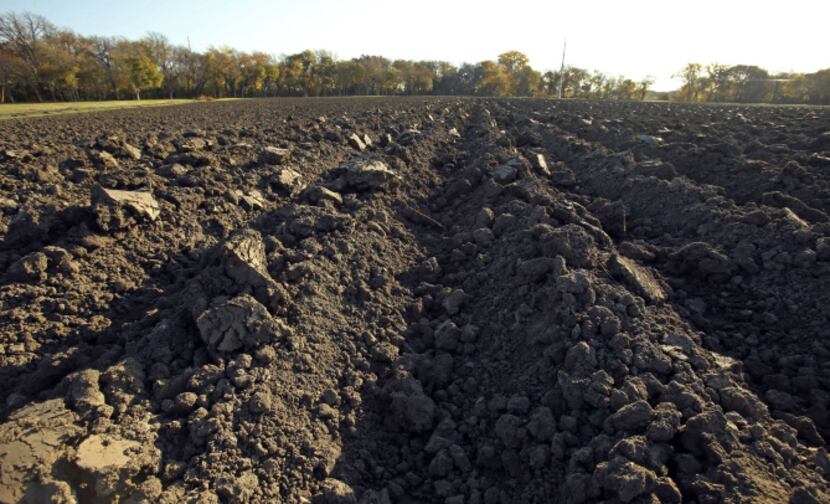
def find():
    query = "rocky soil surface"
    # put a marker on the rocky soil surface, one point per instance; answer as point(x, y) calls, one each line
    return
point(418, 300)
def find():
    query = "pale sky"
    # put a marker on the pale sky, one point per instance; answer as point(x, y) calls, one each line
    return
point(635, 38)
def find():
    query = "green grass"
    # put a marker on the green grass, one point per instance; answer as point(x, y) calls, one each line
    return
point(19, 110)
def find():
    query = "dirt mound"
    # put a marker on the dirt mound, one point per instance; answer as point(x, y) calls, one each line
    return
point(416, 300)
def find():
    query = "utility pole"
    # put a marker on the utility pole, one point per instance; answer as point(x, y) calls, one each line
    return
point(562, 68)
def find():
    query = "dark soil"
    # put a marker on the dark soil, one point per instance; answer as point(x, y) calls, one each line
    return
point(416, 300)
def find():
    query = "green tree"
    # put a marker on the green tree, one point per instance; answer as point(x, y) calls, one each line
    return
point(393, 82)
point(58, 70)
point(137, 71)
point(159, 49)
point(24, 35)
point(718, 85)
point(752, 83)
point(644, 86)
point(325, 73)
point(495, 80)
point(693, 81)
point(626, 89)
point(102, 50)
point(254, 70)
point(421, 78)
point(513, 61)
point(577, 83)
point(526, 82)
point(348, 77)
point(817, 87)
point(224, 75)
point(550, 80)
point(375, 73)
point(12, 71)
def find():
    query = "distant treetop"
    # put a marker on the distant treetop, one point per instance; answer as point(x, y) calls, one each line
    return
point(39, 61)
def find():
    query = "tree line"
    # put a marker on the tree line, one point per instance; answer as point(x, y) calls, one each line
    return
point(39, 61)
point(751, 84)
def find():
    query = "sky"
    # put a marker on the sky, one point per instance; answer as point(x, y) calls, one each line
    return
point(635, 38)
